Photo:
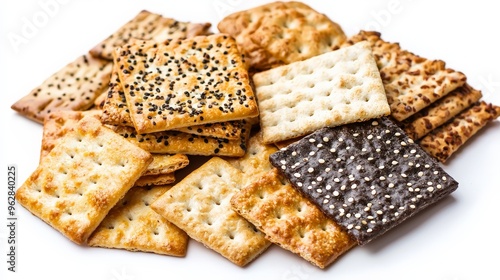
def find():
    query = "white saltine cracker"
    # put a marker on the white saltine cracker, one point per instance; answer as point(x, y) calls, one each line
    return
point(132, 225)
point(82, 178)
point(200, 205)
point(331, 89)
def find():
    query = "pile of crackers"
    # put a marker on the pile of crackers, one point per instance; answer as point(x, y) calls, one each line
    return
point(313, 141)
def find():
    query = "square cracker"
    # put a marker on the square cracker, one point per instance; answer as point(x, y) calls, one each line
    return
point(164, 164)
point(411, 82)
point(184, 83)
point(148, 26)
point(82, 178)
point(445, 140)
point(74, 87)
point(200, 205)
point(368, 177)
point(441, 111)
point(290, 220)
point(155, 180)
point(281, 33)
point(331, 89)
point(132, 225)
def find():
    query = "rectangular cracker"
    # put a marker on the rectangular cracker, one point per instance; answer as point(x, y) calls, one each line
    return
point(411, 82)
point(185, 83)
point(331, 89)
point(200, 205)
point(82, 178)
point(164, 164)
point(173, 142)
point(155, 180)
point(148, 26)
point(368, 177)
point(74, 87)
point(290, 220)
point(281, 33)
point(445, 140)
point(441, 111)
point(132, 225)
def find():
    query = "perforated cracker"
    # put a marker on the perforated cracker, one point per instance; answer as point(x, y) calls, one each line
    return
point(281, 33)
point(74, 87)
point(411, 82)
point(200, 205)
point(290, 220)
point(82, 178)
point(331, 89)
point(132, 225)
point(442, 142)
point(148, 26)
point(185, 83)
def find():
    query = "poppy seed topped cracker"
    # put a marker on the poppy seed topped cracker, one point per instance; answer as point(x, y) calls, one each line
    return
point(185, 82)
point(331, 89)
point(368, 177)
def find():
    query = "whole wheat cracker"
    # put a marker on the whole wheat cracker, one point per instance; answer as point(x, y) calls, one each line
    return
point(411, 82)
point(184, 83)
point(281, 33)
point(155, 180)
point(74, 87)
point(82, 178)
point(200, 205)
point(290, 220)
point(439, 112)
point(148, 26)
point(331, 89)
point(445, 140)
point(132, 225)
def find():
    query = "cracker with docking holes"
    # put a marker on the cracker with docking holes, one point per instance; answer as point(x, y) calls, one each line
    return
point(445, 140)
point(174, 142)
point(132, 225)
point(116, 112)
point(441, 111)
point(368, 177)
point(281, 33)
point(155, 180)
point(185, 83)
point(290, 220)
point(82, 178)
point(200, 205)
point(148, 26)
point(74, 87)
point(411, 82)
point(331, 89)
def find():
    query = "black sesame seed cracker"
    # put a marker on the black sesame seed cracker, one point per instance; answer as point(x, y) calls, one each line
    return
point(368, 177)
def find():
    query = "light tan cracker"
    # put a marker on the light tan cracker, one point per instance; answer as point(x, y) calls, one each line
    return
point(148, 26)
point(281, 33)
point(155, 180)
point(82, 178)
point(132, 225)
point(200, 205)
point(331, 89)
point(74, 87)
point(164, 164)
point(442, 142)
point(290, 220)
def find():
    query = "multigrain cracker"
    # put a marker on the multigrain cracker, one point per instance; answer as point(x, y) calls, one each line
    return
point(148, 26)
point(411, 82)
point(82, 178)
point(155, 180)
point(185, 83)
point(74, 87)
point(200, 205)
point(174, 142)
point(290, 220)
point(331, 89)
point(281, 33)
point(441, 111)
point(368, 177)
point(132, 225)
point(442, 142)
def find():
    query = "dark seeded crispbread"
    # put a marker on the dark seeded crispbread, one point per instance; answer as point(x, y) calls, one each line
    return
point(368, 177)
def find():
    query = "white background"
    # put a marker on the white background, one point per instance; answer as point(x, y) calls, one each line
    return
point(456, 239)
